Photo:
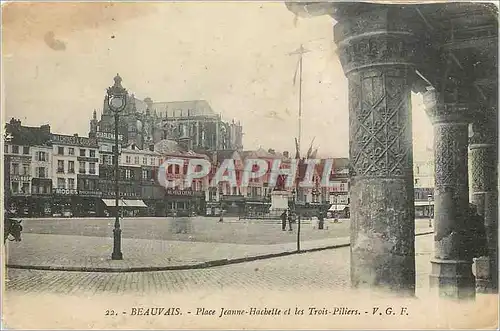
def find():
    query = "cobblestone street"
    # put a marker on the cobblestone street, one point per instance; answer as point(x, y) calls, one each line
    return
point(316, 270)
point(69, 244)
point(83, 300)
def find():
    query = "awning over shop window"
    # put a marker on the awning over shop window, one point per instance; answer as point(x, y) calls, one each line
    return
point(423, 203)
point(124, 203)
point(337, 207)
point(135, 203)
point(111, 203)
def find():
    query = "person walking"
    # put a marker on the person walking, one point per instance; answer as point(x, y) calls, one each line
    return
point(290, 219)
point(283, 220)
point(321, 220)
point(221, 218)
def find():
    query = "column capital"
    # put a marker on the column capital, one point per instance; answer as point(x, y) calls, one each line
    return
point(441, 110)
point(374, 36)
point(483, 130)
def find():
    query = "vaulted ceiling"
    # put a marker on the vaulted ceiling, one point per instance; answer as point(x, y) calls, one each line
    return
point(457, 38)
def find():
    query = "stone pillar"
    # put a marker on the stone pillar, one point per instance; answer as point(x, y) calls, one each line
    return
point(376, 50)
point(483, 151)
point(451, 274)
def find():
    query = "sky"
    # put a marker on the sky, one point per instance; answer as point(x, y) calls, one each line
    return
point(59, 58)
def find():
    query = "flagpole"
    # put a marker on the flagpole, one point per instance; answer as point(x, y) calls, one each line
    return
point(300, 97)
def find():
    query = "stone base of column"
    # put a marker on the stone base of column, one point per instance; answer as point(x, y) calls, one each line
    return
point(452, 279)
point(483, 275)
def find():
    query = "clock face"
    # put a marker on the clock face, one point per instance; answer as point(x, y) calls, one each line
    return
point(116, 103)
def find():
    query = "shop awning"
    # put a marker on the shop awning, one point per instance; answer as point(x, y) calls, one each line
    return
point(337, 207)
point(423, 203)
point(111, 203)
point(135, 203)
point(124, 203)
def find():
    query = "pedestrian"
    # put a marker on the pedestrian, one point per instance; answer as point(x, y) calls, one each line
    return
point(290, 219)
point(321, 220)
point(283, 220)
point(221, 218)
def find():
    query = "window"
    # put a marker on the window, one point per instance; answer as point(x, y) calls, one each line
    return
point(152, 161)
point(15, 169)
point(106, 159)
point(145, 160)
point(6, 149)
point(71, 151)
point(40, 172)
point(417, 181)
point(92, 168)
point(81, 167)
point(71, 183)
point(26, 170)
point(136, 160)
point(60, 166)
point(92, 153)
point(61, 183)
point(41, 156)
point(26, 149)
point(60, 150)
point(342, 187)
point(417, 170)
point(144, 174)
point(26, 187)
point(127, 174)
point(82, 152)
point(128, 159)
point(71, 167)
point(15, 187)
point(15, 149)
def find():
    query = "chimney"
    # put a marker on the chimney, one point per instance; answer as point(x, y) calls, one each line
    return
point(152, 147)
point(286, 154)
point(75, 135)
point(45, 128)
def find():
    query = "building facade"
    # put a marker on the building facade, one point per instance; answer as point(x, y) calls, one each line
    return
point(144, 123)
point(27, 162)
point(424, 188)
point(75, 168)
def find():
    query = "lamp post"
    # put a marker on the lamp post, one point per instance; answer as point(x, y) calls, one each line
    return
point(429, 199)
point(221, 212)
point(117, 100)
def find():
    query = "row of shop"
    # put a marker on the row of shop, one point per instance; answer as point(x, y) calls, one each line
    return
point(75, 206)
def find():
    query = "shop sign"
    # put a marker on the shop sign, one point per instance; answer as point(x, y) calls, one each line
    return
point(85, 193)
point(20, 178)
point(108, 135)
point(74, 140)
point(183, 192)
point(65, 191)
point(122, 194)
point(87, 159)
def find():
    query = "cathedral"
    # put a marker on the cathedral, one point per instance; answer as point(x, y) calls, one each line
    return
point(192, 124)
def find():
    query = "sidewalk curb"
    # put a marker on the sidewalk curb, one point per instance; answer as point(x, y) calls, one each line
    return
point(202, 265)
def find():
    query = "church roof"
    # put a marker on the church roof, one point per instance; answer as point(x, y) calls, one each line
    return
point(166, 146)
point(177, 108)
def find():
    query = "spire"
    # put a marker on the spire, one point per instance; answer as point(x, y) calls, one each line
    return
point(118, 80)
point(94, 115)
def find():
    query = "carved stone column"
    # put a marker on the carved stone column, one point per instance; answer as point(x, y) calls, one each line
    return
point(451, 273)
point(483, 151)
point(376, 50)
